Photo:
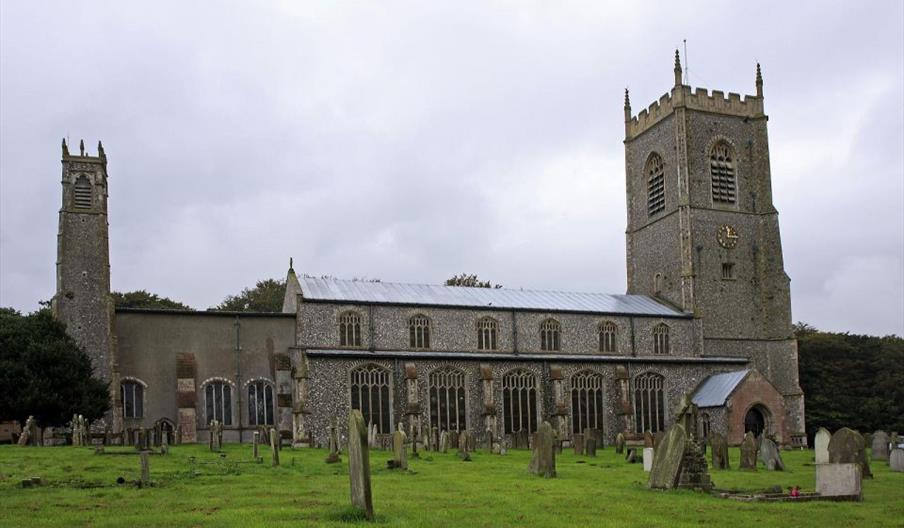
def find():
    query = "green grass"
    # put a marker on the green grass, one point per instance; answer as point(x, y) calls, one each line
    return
point(439, 490)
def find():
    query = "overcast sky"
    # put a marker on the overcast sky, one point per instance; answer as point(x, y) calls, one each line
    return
point(409, 141)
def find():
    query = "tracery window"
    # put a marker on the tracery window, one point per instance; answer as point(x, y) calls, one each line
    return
point(82, 193)
point(132, 394)
point(586, 401)
point(608, 332)
point(649, 402)
point(661, 339)
point(260, 403)
point(447, 399)
point(519, 401)
point(549, 334)
point(722, 170)
point(350, 329)
point(370, 395)
point(655, 174)
point(218, 402)
point(486, 333)
point(419, 332)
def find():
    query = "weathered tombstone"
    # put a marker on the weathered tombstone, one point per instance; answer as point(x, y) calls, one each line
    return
point(879, 446)
point(719, 451)
point(667, 464)
point(821, 445)
point(847, 446)
point(164, 445)
point(770, 455)
point(414, 437)
point(333, 457)
point(220, 436)
point(631, 455)
point(359, 463)
point(491, 441)
point(520, 440)
point(578, 440)
point(894, 440)
point(748, 452)
point(144, 458)
point(210, 437)
point(399, 450)
point(648, 439)
point(648, 456)
point(839, 480)
point(25, 435)
point(444, 442)
point(274, 447)
point(543, 456)
point(255, 442)
point(464, 446)
point(657, 439)
point(619, 443)
point(434, 438)
point(372, 435)
point(590, 447)
point(896, 460)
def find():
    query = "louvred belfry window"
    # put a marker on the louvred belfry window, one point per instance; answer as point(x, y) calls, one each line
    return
point(655, 175)
point(82, 193)
point(722, 169)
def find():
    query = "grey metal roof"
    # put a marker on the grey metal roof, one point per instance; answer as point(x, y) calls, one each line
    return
point(495, 298)
point(716, 389)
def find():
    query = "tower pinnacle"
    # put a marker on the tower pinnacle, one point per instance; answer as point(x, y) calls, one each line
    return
point(677, 69)
point(759, 81)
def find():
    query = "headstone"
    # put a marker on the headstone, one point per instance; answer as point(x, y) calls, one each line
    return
point(359, 464)
point(666, 466)
point(144, 458)
point(414, 437)
point(839, 480)
point(631, 455)
point(578, 440)
point(648, 453)
point(333, 457)
point(491, 441)
point(399, 451)
point(255, 442)
point(274, 447)
point(164, 445)
point(590, 447)
point(748, 452)
point(444, 442)
point(894, 439)
point(619, 443)
point(880, 445)
point(648, 439)
point(821, 445)
point(434, 438)
point(719, 451)
point(464, 446)
point(657, 439)
point(896, 460)
point(543, 456)
point(520, 440)
point(770, 455)
point(372, 438)
point(848, 446)
point(25, 436)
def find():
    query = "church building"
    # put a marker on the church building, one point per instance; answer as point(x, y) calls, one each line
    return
point(707, 313)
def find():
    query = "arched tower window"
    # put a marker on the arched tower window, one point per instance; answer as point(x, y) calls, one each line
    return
point(549, 335)
point(260, 403)
point(608, 332)
point(655, 175)
point(132, 393)
point(447, 399)
point(661, 339)
point(649, 402)
point(370, 395)
point(486, 333)
point(586, 401)
point(82, 193)
point(519, 401)
point(350, 329)
point(218, 402)
point(419, 332)
point(722, 170)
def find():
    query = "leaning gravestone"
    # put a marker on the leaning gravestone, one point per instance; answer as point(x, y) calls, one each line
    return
point(896, 460)
point(274, 447)
point(880, 445)
point(821, 445)
point(770, 455)
point(619, 443)
point(359, 464)
point(657, 439)
point(748, 452)
point(719, 451)
point(543, 456)
point(847, 446)
point(666, 466)
point(631, 455)
point(399, 451)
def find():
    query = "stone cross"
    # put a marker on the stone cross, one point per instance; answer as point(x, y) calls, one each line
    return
point(880, 445)
point(399, 450)
point(274, 446)
point(821, 445)
point(848, 446)
point(333, 457)
point(359, 464)
point(255, 442)
point(144, 458)
point(748, 452)
point(543, 456)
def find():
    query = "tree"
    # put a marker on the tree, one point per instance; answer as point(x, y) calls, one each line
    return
point(144, 299)
point(470, 281)
point(266, 296)
point(43, 372)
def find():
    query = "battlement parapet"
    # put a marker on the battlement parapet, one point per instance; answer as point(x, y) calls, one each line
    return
point(694, 99)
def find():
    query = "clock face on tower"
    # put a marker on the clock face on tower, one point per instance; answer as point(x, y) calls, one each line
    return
point(727, 236)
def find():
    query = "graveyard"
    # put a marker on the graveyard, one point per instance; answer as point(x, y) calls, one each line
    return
point(194, 486)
